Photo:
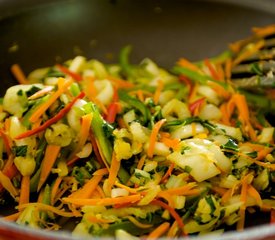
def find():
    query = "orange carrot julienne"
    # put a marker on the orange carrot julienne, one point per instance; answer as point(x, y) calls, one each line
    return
point(115, 165)
point(46, 207)
point(184, 190)
point(52, 120)
point(19, 74)
point(13, 217)
point(153, 137)
point(159, 231)
point(255, 194)
point(92, 92)
point(51, 154)
point(25, 190)
point(88, 188)
point(7, 184)
point(185, 63)
point(186, 81)
point(172, 211)
point(244, 191)
point(55, 189)
point(141, 162)
point(247, 53)
point(173, 230)
point(84, 131)
point(65, 70)
point(195, 106)
point(10, 171)
point(63, 86)
point(158, 91)
point(103, 201)
point(102, 171)
point(212, 70)
point(168, 172)
point(220, 190)
point(95, 148)
point(95, 219)
point(120, 83)
point(228, 67)
point(171, 143)
point(264, 31)
point(41, 92)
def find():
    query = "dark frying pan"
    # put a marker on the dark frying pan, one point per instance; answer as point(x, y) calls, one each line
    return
point(38, 33)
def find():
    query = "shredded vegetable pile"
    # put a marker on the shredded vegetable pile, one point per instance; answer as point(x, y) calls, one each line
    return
point(131, 150)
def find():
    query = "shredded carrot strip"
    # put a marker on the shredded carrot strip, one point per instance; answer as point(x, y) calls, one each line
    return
point(13, 217)
point(25, 190)
point(100, 191)
point(266, 165)
point(46, 207)
point(159, 231)
point(140, 95)
point(104, 201)
point(51, 154)
point(186, 81)
point(153, 137)
point(41, 92)
point(73, 160)
point(87, 190)
point(264, 31)
point(130, 190)
point(158, 91)
point(95, 219)
point(7, 184)
point(141, 162)
point(171, 143)
point(168, 197)
point(228, 67)
point(211, 68)
point(184, 190)
point(168, 172)
point(101, 172)
point(263, 153)
point(226, 196)
point(19, 74)
point(220, 90)
point(173, 230)
point(172, 212)
point(240, 223)
point(84, 131)
point(119, 83)
point(115, 165)
point(255, 194)
point(55, 189)
point(185, 63)
point(220, 72)
point(62, 87)
point(225, 116)
point(52, 120)
point(248, 52)
point(65, 70)
point(220, 190)
point(91, 92)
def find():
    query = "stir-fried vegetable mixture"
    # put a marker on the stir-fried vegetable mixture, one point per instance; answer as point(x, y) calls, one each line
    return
point(136, 150)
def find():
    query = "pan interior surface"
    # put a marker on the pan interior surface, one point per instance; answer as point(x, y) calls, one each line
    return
point(49, 32)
